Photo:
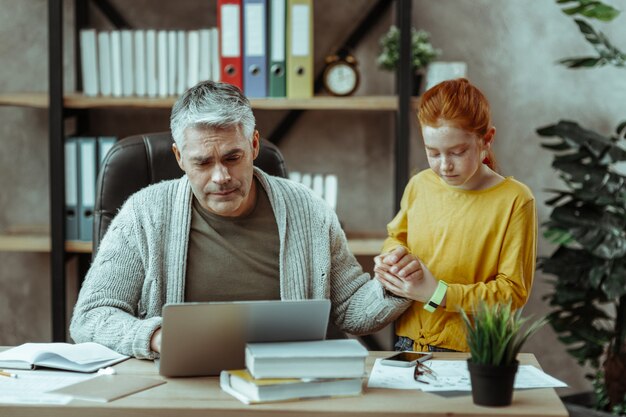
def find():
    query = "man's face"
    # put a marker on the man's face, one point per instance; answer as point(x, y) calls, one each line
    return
point(219, 165)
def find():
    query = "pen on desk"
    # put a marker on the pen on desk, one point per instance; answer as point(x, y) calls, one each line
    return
point(8, 374)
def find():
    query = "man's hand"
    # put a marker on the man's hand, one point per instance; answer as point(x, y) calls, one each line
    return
point(155, 341)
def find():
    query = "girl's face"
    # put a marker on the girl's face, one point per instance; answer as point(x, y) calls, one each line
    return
point(456, 155)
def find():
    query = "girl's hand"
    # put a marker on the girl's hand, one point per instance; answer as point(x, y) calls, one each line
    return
point(419, 286)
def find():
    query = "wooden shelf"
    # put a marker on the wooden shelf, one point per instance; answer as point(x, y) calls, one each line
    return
point(36, 100)
point(79, 101)
point(41, 243)
point(38, 243)
point(365, 247)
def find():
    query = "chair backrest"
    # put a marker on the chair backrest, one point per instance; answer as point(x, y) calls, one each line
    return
point(138, 161)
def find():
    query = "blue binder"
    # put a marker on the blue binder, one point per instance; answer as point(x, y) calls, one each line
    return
point(255, 48)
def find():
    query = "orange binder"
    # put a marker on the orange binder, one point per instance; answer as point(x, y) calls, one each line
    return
point(229, 23)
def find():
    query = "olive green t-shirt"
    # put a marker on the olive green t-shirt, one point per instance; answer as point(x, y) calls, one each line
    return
point(233, 259)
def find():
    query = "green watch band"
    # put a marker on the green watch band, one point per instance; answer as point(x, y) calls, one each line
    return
point(437, 297)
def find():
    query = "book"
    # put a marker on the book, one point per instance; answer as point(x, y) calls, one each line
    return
point(342, 358)
point(241, 385)
point(81, 357)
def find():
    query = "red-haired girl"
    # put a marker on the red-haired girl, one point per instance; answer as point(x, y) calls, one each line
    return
point(463, 232)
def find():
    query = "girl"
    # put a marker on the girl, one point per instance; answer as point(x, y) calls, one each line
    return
point(468, 232)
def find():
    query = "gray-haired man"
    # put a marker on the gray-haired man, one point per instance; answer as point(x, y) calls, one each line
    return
point(224, 231)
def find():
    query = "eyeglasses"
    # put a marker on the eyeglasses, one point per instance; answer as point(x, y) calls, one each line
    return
point(423, 371)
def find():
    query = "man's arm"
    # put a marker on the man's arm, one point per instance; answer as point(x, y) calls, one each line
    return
point(108, 309)
point(360, 305)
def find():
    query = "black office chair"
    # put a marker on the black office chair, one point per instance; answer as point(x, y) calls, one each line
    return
point(138, 161)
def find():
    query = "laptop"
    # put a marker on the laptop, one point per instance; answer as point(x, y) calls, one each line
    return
point(201, 339)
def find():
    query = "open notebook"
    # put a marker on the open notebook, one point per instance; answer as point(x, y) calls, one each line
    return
point(81, 357)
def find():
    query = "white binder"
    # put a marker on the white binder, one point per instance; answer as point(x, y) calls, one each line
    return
point(128, 65)
point(71, 189)
point(140, 62)
point(116, 63)
point(193, 57)
point(87, 186)
point(181, 62)
point(162, 63)
point(151, 63)
point(89, 61)
point(104, 63)
point(172, 61)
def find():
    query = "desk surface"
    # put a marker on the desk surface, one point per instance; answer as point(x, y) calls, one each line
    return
point(203, 397)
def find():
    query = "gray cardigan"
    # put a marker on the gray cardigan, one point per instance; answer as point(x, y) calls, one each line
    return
point(141, 265)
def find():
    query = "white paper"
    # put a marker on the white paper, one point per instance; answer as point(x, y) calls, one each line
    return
point(30, 387)
point(451, 376)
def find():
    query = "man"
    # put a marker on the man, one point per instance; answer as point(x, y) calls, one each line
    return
point(224, 231)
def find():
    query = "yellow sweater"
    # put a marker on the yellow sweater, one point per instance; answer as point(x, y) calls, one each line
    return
point(482, 243)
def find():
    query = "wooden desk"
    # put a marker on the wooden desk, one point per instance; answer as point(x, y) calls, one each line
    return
point(203, 397)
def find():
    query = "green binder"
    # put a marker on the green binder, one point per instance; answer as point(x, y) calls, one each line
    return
point(277, 73)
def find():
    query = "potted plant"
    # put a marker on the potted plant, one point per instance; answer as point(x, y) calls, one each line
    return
point(422, 52)
point(588, 225)
point(495, 335)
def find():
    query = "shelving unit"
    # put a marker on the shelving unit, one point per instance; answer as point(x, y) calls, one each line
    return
point(80, 101)
point(59, 105)
point(42, 243)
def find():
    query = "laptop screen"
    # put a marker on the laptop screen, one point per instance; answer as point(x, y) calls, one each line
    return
point(205, 338)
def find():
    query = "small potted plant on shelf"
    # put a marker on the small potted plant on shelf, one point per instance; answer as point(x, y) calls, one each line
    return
point(422, 52)
point(495, 335)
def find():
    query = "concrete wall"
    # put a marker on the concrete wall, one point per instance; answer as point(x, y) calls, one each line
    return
point(510, 47)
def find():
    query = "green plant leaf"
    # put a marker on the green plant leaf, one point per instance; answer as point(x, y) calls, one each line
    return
point(591, 9)
point(494, 333)
point(597, 273)
point(563, 196)
point(558, 236)
point(615, 285)
point(422, 51)
point(576, 136)
point(584, 62)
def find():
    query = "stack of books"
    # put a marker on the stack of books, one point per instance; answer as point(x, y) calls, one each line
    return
point(297, 370)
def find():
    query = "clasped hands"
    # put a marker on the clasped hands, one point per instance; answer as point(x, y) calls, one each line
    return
point(404, 275)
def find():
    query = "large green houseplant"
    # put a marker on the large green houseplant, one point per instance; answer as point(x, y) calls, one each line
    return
point(588, 223)
point(495, 336)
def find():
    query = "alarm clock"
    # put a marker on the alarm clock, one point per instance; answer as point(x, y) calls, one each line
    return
point(341, 75)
